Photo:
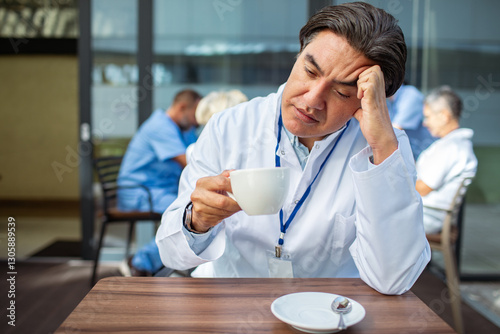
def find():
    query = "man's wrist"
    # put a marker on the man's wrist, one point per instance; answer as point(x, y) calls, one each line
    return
point(188, 219)
point(379, 155)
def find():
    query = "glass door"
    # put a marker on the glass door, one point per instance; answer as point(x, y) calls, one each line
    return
point(114, 75)
point(108, 93)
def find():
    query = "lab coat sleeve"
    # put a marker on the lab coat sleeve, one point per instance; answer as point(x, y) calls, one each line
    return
point(390, 249)
point(174, 245)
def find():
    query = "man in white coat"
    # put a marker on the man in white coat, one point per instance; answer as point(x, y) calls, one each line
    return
point(352, 209)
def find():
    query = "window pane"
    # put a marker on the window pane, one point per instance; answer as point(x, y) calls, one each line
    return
point(213, 45)
point(455, 43)
point(115, 72)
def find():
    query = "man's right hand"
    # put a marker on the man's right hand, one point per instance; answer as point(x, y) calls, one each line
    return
point(211, 204)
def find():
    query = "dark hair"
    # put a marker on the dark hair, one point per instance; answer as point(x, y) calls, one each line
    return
point(446, 95)
point(370, 31)
point(188, 95)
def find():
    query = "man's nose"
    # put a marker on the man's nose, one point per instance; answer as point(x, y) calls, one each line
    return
point(314, 98)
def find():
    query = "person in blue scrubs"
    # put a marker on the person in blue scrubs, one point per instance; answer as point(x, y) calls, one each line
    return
point(155, 158)
point(406, 112)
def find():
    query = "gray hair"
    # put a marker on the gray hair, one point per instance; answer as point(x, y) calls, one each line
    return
point(445, 97)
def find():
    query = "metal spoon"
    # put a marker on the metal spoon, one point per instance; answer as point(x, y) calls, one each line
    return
point(341, 305)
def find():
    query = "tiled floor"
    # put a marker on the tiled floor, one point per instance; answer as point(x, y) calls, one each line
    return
point(38, 226)
point(481, 255)
point(481, 246)
point(484, 297)
point(36, 233)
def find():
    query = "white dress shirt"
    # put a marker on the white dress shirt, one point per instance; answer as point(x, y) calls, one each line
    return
point(359, 220)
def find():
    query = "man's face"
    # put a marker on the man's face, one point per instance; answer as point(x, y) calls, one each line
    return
point(189, 120)
point(320, 95)
point(433, 119)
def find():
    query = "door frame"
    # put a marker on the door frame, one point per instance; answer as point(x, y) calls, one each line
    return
point(144, 100)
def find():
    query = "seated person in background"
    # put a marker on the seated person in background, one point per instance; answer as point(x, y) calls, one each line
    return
point(211, 104)
point(352, 175)
point(155, 158)
point(442, 167)
point(406, 112)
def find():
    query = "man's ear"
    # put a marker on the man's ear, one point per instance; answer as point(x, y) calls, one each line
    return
point(446, 115)
point(183, 106)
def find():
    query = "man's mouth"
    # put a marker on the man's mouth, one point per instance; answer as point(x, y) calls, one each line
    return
point(304, 117)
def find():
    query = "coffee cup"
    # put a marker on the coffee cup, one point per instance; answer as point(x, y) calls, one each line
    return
point(260, 191)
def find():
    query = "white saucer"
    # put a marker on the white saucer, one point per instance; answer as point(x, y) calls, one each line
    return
point(310, 312)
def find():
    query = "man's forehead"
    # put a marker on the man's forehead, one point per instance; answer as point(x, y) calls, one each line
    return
point(330, 52)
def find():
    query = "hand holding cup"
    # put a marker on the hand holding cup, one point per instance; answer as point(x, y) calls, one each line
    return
point(259, 191)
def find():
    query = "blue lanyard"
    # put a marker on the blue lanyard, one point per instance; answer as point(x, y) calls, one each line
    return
point(284, 227)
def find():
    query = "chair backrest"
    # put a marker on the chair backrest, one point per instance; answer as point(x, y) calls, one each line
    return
point(107, 169)
point(449, 232)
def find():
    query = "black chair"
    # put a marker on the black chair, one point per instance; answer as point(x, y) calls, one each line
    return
point(107, 169)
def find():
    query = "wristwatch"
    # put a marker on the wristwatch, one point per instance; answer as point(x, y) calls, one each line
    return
point(188, 216)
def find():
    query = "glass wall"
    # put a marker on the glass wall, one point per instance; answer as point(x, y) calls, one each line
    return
point(205, 45)
point(214, 45)
point(455, 43)
point(115, 73)
point(251, 45)
point(463, 50)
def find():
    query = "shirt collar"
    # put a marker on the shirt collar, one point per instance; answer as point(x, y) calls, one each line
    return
point(301, 150)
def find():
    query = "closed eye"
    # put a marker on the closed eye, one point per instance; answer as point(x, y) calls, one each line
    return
point(343, 95)
point(309, 72)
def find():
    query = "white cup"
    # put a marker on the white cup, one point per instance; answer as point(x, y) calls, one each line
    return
point(260, 191)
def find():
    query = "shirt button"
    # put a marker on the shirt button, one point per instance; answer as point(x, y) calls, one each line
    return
point(296, 201)
point(283, 152)
point(317, 147)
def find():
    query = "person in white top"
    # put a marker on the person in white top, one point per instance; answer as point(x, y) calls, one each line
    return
point(443, 166)
point(352, 209)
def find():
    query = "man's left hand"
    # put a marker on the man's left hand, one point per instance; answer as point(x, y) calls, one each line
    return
point(373, 115)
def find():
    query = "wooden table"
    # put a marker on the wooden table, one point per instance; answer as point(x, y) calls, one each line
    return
point(233, 305)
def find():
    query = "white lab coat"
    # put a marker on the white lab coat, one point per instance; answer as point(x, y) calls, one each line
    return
point(359, 220)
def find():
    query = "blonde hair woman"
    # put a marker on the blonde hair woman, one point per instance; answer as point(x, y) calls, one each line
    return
point(216, 102)
point(213, 103)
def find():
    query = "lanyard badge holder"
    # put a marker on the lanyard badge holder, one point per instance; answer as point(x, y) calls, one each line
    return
point(284, 226)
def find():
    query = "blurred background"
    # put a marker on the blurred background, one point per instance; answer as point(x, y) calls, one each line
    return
point(77, 78)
